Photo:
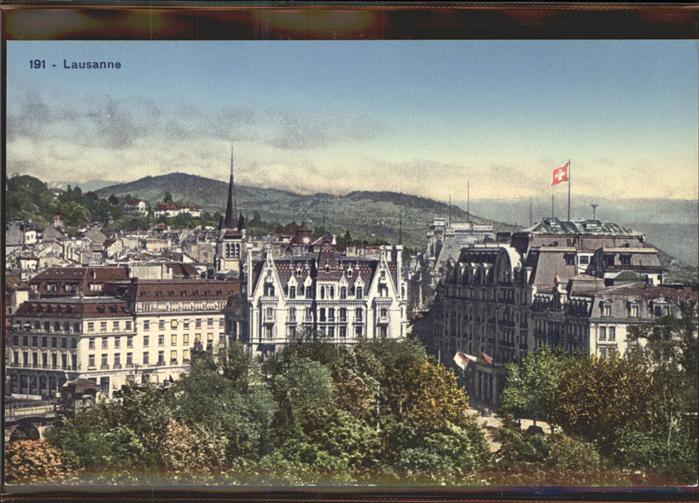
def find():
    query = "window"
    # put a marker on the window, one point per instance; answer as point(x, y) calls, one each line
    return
point(358, 315)
point(197, 323)
point(146, 358)
point(127, 325)
point(625, 259)
point(606, 309)
point(146, 340)
point(292, 314)
point(321, 313)
point(633, 310)
point(35, 340)
point(90, 326)
point(603, 352)
point(309, 292)
point(64, 342)
point(609, 260)
point(570, 258)
point(103, 326)
point(360, 292)
point(76, 328)
point(173, 357)
point(66, 326)
point(44, 359)
point(91, 343)
point(331, 332)
point(105, 343)
point(291, 331)
point(268, 332)
point(331, 314)
point(343, 314)
point(384, 312)
point(343, 292)
point(611, 333)
point(146, 324)
point(16, 357)
point(104, 363)
point(173, 340)
point(358, 331)
point(54, 360)
point(161, 357)
point(115, 326)
point(161, 324)
point(185, 339)
point(117, 342)
point(603, 333)
point(117, 360)
point(269, 313)
point(343, 332)
point(185, 324)
point(292, 292)
point(90, 360)
point(161, 340)
point(47, 326)
point(129, 341)
point(185, 356)
point(74, 343)
point(129, 359)
point(584, 259)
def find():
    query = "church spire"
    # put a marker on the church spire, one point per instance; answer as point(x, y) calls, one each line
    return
point(231, 219)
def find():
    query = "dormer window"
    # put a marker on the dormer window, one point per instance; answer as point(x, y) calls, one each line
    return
point(349, 273)
point(327, 268)
point(633, 310)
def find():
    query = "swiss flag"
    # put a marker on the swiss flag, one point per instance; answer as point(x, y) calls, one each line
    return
point(560, 174)
point(487, 358)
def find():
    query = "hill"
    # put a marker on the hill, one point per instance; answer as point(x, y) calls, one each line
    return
point(368, 215)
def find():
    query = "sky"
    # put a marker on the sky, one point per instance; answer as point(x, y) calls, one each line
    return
point(420, 117)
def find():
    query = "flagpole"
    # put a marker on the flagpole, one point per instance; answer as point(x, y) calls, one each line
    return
point(569, 190)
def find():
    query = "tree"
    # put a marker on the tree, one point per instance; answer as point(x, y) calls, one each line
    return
point(167, 198)
point(530, 388)
point(302, 390)
point(597, 397)
point(113, 200)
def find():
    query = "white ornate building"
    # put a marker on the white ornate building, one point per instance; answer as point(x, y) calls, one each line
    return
point(326, 295)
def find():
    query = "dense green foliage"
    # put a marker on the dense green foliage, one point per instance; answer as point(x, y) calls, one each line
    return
point(315, 413)
point(633, 413)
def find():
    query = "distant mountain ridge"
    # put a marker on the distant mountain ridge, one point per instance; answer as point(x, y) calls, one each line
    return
point(368, 215)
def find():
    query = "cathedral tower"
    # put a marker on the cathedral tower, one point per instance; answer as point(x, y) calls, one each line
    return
point(231, 234)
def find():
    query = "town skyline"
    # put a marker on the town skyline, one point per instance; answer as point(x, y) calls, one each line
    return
point(338, 118)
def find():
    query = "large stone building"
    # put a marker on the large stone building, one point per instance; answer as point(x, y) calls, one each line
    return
point(551, 285)
point(325, 294)
point(444, 242)
point(143, 330)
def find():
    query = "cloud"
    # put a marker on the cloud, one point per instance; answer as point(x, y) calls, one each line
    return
point(103, 137)
point(299, 132)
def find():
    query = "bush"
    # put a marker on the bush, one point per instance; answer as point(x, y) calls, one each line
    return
point(35, 461)
point(569, 454)
point(646, 450)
